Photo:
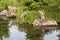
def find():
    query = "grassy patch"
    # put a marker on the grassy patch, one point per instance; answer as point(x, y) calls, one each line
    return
point(30, 17)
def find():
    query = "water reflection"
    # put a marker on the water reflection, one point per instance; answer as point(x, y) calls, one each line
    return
point(43, 33)
point(10, 30)
point(51, 36)
point(4, 31)
point(58, 29)
point(15, 34)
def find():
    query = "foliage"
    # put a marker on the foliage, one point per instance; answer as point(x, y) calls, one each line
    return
point(30, 17)
point(51, 8)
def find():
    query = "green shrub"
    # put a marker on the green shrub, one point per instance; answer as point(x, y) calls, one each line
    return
point(30, 17)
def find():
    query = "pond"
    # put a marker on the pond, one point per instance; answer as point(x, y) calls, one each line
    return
point(10, 30)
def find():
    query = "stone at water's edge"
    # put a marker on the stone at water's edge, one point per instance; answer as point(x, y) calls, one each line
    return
point(4, 13)
point(12, 9)
point(43, 21)
point(38, 22)
point(11, 13)
point(49, 22)
point(24, 14)
point(42, 13)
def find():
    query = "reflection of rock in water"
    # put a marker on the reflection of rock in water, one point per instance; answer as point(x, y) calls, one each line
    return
point(34, 33)
point(15, 34)
point(58, 36)
point(12, 22)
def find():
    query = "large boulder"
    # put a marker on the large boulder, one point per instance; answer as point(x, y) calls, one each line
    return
point(12, 9)
point(23, 14)
point(47, 22)
point(12, 15)
point(36, 22)
point(43, 21)
point(4, 13)
point(12, 12)
point(42, 13)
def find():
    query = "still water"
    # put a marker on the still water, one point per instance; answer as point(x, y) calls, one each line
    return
point(9, 30)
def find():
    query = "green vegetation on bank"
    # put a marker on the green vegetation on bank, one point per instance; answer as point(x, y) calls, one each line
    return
point(51, 8)
point(30, 17)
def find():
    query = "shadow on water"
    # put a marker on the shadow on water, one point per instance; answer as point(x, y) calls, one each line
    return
point(4, 29)
point(10, 30)
point(41, 33)
point(32, 33)
point(14, 33)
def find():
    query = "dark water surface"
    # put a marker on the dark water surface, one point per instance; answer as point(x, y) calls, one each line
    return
point(9, 30)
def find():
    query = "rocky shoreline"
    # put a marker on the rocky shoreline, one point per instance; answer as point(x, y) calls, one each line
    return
point(11, 13)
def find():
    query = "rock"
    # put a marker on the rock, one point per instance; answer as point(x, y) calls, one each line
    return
point(23, 14)
point(12, 9)
point(41, 12)
point(4, 13)
point(47, 22)
point(37, 22)
point(12, 15)
point(43, 21)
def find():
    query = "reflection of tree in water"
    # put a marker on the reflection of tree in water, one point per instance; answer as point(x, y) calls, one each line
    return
point(33, 33)
point(3, 28)
point(58, 36)
point(58, 28)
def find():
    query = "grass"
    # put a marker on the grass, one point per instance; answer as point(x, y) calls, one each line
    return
point(53, 15)
point(7, 2)
point(30, 17)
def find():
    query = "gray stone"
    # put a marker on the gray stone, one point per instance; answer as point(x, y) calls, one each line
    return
point(4, 13)
point(49, 22)
point(43, 21)
point(42, 13)
point(36, 22)
point(23, 14)
point(12, 12)
point(39, 22)
point(12, 9)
